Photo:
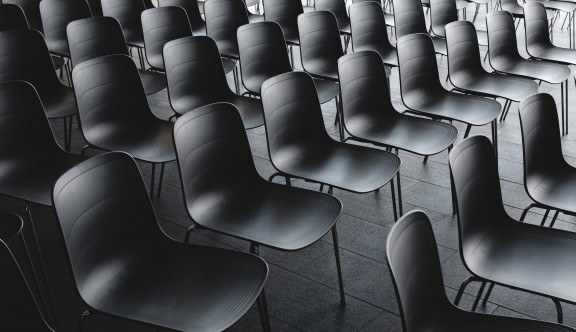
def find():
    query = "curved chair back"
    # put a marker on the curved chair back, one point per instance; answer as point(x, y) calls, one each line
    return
point(442, 12)
point(536, 24)
point(414, 264)
point(19, 308)
point(192, 10)
point(95, 37)
point(502, 44)
point(56, 14)
point(292, 115)
point(12, 17)
point(541, 144)
point(194, 73)
point(368, 27)
point(31, 9)
point(263, 53)
point(320, 44)
point(283, 12)
point(161, 25)
point(127, 12)
point(223, 18)
point(463, 51)
point(336, 7)
point(409, 17)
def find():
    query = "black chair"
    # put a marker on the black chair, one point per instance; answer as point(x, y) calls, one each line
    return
point(370, 117)
point(31, 9)
point(412, 257)
point(196, 78)
point(338, 8)
point(467, 74)
point(125, 266)
point(263, 55)
point(368, 27)
point(115, 115)
point(498, 249)
point(513, 7)
point(24, 56)
point(299, 146)
point(409, 18)
point(214, 160)
point(388, 17)
point(192, 10)
point(12, 17)
point(423, 93)
point(223, 18)
point(94, 37)
point(20, 312)
point(285, 13)
point(504, 58)
point(443, 12)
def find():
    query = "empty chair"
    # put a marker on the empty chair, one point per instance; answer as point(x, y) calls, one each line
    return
point(124, 265)
point(98, 36)
point(196, 78)
point(214, 160)
point(514, 8)
point(504, 58)
point(263, 55)
point(409, 18)
point(443, 12)
point(223, 18)
point(414, 263)
point(31, 9)
point(389, 18)
point(285, 13)
point(370, 117)
point(12, 17)
point(467, 74)
point(192, 10)
point(423, 93)
point(122, 121)
point(338, 8)
point(368, 28)
point(300, 147)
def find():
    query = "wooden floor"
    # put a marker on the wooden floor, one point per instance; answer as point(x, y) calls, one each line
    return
point(302, 286)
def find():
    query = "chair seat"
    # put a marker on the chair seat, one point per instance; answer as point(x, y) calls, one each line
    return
point(545, 71)
point(59, 47)
point(323, 68)
point(552, 53)
point(152, 82)
point(291, 34)
point(59, 102)
point(346, 166)
point(344, 25)
point(326, 90)
point(440, 45)
point(482, 37)
point(274, 215)
point(253, 18)
point(389, 55)
point(10, 226)
point(228, 48)
point(390, 20)
point(495, 85)
point(407, 133)
point(228, 64)
point(199, 30)
point(554, 187)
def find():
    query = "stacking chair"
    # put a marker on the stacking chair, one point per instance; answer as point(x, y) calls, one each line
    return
point(285, 13)
point(498, 249)
point(513, 7)
point(412, 257)
point(338, 8)
point(409, 17)
point(125, 266)
point(12, 17)
point(368, 27)
point(479, 3)
point(443, 12)
point(370, 117)
point(196, 78)
point(115, 115)
point(192, 10)
point(505, 59)
point(223, 18)
point(31, 9)
point(24, 56)
point(388, 17)
point(423, 93)
point(300, 147)
point(98, 36)
point(263, 55)
point(467, 74)
point(214, 158)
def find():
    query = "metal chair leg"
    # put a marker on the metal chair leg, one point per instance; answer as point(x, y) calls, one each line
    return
point(152, 180)
point(479, 296)
point(467, 132)
point(263, 311)
point(338, 267)
point(393, 199)
point(401, 212)
point(526, 211)
point(559, 311)
point(463, 286)
point(488, 293)
point(545, 217)
point(44, 301)
point(188, 232)
point(554, 219)
point(161, 179)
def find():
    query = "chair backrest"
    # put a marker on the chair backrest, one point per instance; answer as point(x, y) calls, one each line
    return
point(463, 51)
point(263, 53)
point(161, 25)
point(408, 17)
point(31, 9)
point(213, 154)
point(19, 309)
point(337, 7)
point(414, 264)
point(283, 12)
point(361, 1)
point(536, 24)
point(192, 10)
point(223, 18)
point(474, 169)
point(12, 17)
point(292, 115)
point(113, 220)
point(319, 41)
point(541, 144)
point(94, 37)
point(368, 27)
point(127, 12)
point(502, 45)
point(56, 14)
point(442, 12)
point(194, 73)
point(364, 86)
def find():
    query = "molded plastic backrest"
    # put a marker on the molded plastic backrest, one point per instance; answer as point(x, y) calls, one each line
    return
point(31, 9)
point(292, 115)
point(107, 227)
point(474, 169)
point(223, 18)
point(414, 263)
point(161, 25)
point(337, 7)
point(20, 311)
point(417, 63)
point(319, 38)
point(213, 153)
point(541, 142)
point(442, 12)
point(364, 85)
point(463, 52)
point(536, 23)
point(56, 14)
point(409, 17)
point(94, 37)
point(361, 1)
point(192, 10)
point(127, 12)
point(193, 70)
point(12, 17)
point(501, 35)
point(283, 12)
point(368, 26)
point(511, 5)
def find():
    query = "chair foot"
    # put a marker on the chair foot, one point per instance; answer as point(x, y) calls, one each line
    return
point(338, 266)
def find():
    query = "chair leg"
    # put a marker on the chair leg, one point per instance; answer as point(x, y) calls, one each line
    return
point(188, 232)
point(488, 293)
point(478, 296)
point(152, 180)
point(526, 211)
point(84, 148)
point(44, 301)
point(476, 12)
point(554, 219)
point(559, 310)
point(340, 115)
point(465, 283)
point(66, 135)
point(338, 267)
point(263, 311)
point(399, 191)
point(545, 217)
point(494, 126)
point(467, 132)
point(393, 199)
point(425, 159)
point(161, 179)
point(83, 318)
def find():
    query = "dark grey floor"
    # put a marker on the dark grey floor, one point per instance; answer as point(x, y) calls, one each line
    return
point(302, 287)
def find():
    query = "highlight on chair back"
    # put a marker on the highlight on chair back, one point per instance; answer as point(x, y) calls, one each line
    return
point(192, 10)
point(409, 18)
